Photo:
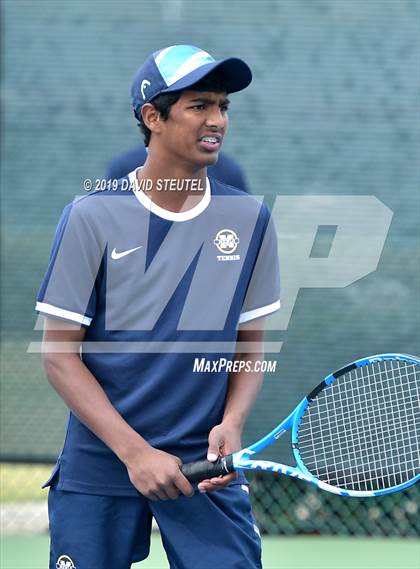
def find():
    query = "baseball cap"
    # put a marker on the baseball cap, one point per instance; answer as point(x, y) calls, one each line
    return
point(180, 66)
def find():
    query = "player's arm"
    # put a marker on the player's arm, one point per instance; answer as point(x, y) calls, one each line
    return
point(154, 473)
point(243, 389)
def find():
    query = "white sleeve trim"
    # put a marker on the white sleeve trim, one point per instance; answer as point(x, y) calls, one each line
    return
point(61, 313)
point(258, 312)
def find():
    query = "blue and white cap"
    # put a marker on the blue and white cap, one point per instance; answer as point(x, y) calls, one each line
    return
point(180, 66)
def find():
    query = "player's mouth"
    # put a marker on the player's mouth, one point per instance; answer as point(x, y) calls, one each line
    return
point(210, 142)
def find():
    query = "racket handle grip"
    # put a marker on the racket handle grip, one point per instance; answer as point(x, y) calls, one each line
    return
point(203, 469)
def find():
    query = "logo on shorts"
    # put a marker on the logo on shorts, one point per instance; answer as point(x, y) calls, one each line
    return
point(227, 242)
point(65, 562)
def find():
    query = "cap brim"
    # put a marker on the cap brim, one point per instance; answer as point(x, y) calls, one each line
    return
point(236, 73)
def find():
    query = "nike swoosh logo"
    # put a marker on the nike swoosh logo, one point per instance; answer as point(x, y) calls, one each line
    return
point(116, 255)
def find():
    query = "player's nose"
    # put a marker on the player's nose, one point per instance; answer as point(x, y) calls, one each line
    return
point(216, 118)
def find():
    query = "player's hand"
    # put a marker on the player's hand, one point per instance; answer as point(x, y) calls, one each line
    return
point(223, 440)
point(156, 475)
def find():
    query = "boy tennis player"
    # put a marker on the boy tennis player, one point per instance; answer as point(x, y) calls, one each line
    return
point(148, 290)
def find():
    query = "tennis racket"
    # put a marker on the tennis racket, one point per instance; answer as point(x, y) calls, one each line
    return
point(356, 434)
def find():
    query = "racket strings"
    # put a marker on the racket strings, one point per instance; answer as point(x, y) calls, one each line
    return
point(336, 443)
point(362, 431)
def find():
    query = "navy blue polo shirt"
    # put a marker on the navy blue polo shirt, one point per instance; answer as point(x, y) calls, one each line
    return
point(156, 290)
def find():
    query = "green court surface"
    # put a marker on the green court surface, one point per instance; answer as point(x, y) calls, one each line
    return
point(19, 552)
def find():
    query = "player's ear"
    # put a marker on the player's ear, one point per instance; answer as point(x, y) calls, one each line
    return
point(151, 117)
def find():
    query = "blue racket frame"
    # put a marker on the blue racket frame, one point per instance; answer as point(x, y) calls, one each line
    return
point(242, 459)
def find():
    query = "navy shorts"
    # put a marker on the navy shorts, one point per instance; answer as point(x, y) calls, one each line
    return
point(208, 531)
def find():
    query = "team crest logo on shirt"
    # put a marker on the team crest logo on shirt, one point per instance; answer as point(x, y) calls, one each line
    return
point(227, 242)
point(65, 562)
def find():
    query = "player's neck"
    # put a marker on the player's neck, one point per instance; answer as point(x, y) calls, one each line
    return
point(172, 186)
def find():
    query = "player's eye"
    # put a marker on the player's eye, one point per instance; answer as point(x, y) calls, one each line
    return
point(224, 108)
point(199, 107)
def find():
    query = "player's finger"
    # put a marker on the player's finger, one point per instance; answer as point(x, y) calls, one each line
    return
point(216, 483)
point(224, 480)
point(153, 497)
point(166, 492)
point(213, 452)
point(203, 485)
point(183, 485)
point(216, 441)
point(208, 486)
point(172, 492)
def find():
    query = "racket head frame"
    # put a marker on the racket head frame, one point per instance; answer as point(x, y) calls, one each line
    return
point(243, 460)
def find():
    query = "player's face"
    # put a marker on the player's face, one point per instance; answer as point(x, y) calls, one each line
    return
point(196, 126)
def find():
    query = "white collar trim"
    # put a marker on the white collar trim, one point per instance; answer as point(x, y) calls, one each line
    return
point(164, 213)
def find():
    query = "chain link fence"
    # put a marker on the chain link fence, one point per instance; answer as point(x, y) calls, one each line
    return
point(282, 506)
